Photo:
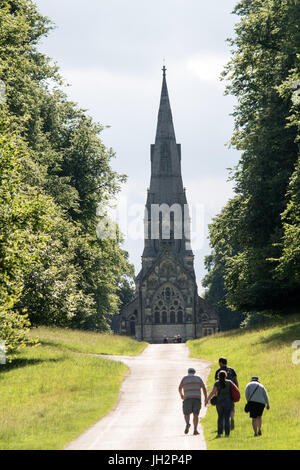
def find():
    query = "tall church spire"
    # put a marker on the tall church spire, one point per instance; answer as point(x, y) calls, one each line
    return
point(166, 186)
point(165, 153)
point(165, 127)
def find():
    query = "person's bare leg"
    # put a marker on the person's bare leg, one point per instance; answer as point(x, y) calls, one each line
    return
point(187, 422)
point(195, 422)
point(254, 425)
point(259, 423)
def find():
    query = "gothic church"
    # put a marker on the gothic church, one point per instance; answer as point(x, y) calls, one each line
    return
point(167, 301)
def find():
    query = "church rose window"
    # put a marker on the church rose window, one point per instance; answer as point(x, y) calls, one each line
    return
point(168, 305)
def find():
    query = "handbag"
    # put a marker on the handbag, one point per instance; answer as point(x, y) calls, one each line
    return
point(235, 393)
point(213, 400)
point(247, 408)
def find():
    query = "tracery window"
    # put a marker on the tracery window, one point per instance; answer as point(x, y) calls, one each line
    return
point(168, 305)
point(172, 316)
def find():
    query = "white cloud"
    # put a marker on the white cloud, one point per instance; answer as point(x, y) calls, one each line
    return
point(212, 192)
point(206, 66)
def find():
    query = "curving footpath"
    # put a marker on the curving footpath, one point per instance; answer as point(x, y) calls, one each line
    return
point(148, 415)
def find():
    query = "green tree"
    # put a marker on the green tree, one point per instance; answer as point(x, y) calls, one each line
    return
point(215, 293)
point(264, 52)
point(289, 262)
point(68, 276)
point(21, 237)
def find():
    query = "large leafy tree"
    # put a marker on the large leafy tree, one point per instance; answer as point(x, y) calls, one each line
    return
point(264, 52)
point(63, 171)
point(289, 261)
point(23, 219)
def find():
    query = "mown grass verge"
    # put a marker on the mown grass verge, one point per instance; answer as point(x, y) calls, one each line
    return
point(88, 341)
point(50, 394)
point(266, 352)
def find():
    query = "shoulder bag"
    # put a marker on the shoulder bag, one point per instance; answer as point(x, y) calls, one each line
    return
point(247, 404)
point(235, 393)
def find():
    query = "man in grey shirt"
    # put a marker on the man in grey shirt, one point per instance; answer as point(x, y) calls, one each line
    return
point(257, 398)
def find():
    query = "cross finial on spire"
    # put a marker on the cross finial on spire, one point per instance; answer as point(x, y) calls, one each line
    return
point(164, 69)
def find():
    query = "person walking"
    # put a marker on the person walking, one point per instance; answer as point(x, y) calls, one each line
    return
point(231, 375)
point(257, 399)
point(222, 389)
point(190, 392)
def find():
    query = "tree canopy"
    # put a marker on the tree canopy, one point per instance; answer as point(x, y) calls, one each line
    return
point(255, 239)
point(54, 172)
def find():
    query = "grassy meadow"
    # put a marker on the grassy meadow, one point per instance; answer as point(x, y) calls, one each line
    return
point(88, 342)
point(266, 352)
point(53, 392)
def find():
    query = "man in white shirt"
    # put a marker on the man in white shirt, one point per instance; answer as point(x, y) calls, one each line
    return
point(257, 398)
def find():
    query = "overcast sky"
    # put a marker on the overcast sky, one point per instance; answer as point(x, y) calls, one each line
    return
point(111, 53)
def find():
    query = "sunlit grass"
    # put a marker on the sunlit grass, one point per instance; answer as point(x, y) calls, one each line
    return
point(88, 342)
point(266, 352)
point(52, 393)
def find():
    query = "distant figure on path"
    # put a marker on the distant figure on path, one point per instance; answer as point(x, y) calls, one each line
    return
point(222, 389)
point(231, 375)
point(179, 339)
point(165, 340)
point(257, 398)
point(190, 392)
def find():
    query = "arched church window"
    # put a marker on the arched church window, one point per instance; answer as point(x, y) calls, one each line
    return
point(167, 294)
point(179, 316)
point(132, 328)
point(132, 321)
point(168, 305)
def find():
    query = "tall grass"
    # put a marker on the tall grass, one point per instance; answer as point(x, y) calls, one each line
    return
point(266, 352)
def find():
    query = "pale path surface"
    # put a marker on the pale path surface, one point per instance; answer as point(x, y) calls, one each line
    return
point(149, 414)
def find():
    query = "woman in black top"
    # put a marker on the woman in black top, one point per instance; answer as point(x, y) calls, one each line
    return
point(222, 389)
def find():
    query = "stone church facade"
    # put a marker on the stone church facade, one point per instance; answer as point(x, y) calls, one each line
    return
point(167, 301)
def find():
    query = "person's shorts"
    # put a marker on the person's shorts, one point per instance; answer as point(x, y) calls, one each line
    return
point(191, 405)
point(256, 409)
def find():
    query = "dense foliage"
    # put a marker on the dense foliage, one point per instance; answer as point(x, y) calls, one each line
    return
point(54, 172)
point(255, 239)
